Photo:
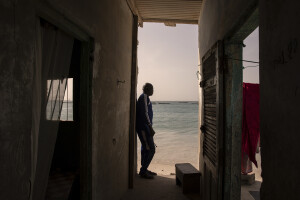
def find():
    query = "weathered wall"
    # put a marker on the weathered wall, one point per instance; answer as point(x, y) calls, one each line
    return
point(110, 24)
point(279, 84)
point(219, 19)
point(280, 96)
point(233, 101)
point(16, 77)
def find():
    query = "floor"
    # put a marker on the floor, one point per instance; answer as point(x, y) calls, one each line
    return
point(59, 185)
point(251, 192)
point(162, 187)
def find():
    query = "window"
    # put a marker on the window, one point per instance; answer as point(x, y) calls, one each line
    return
point(60, 100)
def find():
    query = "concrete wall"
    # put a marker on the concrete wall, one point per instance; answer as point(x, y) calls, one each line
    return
point(16, 78)
point(110, 24)
point(280, 96)
point(279, 84)
point(219, 19)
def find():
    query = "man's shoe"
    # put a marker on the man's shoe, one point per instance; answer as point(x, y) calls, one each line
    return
point(152, 173)
point(146, 175)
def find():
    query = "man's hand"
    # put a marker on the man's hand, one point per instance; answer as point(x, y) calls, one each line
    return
point(152, 132)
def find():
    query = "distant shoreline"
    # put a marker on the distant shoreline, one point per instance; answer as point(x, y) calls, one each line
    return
point(172, 102)
point(175, 101)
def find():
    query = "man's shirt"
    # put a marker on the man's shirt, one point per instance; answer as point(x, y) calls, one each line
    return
point(144, 112)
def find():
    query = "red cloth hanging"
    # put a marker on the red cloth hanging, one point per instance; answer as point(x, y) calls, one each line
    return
point(251, 132)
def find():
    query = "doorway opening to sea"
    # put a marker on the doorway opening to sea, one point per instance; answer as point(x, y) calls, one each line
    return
point(168, 59)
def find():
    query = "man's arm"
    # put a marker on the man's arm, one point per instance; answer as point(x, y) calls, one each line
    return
point(146, 110)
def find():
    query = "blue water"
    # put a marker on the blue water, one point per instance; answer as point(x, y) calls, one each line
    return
point(176, 126)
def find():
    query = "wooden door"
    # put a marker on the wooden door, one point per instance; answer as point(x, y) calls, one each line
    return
point(212, 122)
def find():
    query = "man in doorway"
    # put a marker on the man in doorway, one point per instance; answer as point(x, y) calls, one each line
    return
point(144, 116)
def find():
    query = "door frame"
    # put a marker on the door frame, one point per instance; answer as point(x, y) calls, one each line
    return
point(45, 11)
point(132, 133)
point(233, 97)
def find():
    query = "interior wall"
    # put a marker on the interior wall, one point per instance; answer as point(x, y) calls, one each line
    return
point(280, 94)
point(219, 19)
point(279, 39)
point(110, 24)
point(16, 77)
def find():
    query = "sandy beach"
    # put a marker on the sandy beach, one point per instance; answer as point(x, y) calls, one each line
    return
point(169, 169)
point(164, 160)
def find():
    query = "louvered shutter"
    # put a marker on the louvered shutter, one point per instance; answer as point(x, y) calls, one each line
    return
point(212, 124)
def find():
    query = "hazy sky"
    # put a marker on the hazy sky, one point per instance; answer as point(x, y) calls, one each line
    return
point(168, 58)
point(251, 52)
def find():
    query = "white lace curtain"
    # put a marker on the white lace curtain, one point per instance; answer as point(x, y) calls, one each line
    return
point(55, 49)
point(57, 52)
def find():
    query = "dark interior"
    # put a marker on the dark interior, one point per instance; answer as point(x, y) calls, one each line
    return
point(64, 174)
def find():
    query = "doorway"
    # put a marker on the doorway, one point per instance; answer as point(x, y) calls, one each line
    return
point(64, 175)
point(64, 145)
point(168, 59)
point(251, 173)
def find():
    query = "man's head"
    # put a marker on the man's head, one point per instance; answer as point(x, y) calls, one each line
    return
point(148, 89)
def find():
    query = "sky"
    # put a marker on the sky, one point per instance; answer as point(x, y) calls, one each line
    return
point(251, 52)
point(168, 58)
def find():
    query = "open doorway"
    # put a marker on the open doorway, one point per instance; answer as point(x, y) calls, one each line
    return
point(168, 58)
point(64, 142)
point(251, 173)
point(64, 175)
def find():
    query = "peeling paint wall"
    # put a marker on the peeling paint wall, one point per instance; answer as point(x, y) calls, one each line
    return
point(110, 24)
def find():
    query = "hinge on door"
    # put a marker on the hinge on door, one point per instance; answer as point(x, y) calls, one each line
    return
point(202, 84)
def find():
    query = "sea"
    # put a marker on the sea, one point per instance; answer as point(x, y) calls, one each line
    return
point(176, 127)
point(67, 111)
point(176, 137)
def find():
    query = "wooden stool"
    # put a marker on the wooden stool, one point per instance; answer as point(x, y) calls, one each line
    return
point(187, 176)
